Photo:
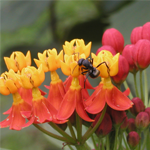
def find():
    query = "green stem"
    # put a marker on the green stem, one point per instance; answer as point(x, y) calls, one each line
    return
point(126, 86)
point(136, 89)
point(102, 144)
point(52, 134)
point(126, 144)
point(71, 129)
point(145, 138)
point(141, 86)
point(120, 140)
point(94, 143)
point(107, 142)
point(91, 130)
point(70, 147)
point(116, 135)
point(79, 127)
point(83, 147)
point(62, 132)
point(146, 88)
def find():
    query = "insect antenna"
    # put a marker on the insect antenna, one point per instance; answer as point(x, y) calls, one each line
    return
point(106, 66)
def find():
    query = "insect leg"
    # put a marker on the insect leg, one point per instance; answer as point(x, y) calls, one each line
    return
point(106, 66)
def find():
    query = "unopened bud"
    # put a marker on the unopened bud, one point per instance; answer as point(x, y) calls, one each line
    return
point(136, 34)
point(133, 139)
point(142, 120)
point(107, 48)
point(131, 125)
point(113, 38)
point(146, 31)
point(138, 106)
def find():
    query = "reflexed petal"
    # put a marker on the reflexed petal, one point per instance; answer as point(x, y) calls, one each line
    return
point(41, 111)
point(67, 106)
point(26, 95)
point(56, 94)
point(8, 111)
point(67, 82)
point(117, 100)
point(98, 101)
point(80, 108)
point(126, 92)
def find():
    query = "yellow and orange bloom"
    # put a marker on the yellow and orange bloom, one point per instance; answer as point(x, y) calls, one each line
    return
point(9, 83)
point(49, 60)
point(42, 111)
point(77, 46)
point(31, 77)
point(17, 61)
point(73, 100)
point(16, 119)
point(111, 69)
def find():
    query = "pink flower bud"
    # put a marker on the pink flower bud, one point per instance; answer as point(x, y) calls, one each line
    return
point(146, 31)
point(118, 117)
point(141, 55)
point(138, 106)
point(108, 48)
point(136, 34)
point(105, 126)
point(113, 38)
point(142, 120)
point(147, 110)
point(128, 54)
point(123, 70)
point(131, 125)
point(133, 139)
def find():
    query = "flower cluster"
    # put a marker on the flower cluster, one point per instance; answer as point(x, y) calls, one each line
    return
point(68, 102)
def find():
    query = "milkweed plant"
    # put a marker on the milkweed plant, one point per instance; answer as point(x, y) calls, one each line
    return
point(112, 118)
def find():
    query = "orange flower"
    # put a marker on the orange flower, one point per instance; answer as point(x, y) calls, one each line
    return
point(9, 82)
point(110, 67)
point(106, 92)
point(77, 46)
point(72, 101)
point(49, 60)
point(18, 61)
point(16, 120)
point(42, 110)
point(31, 77)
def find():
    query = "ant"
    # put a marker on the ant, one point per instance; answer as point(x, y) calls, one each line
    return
point(88, 67)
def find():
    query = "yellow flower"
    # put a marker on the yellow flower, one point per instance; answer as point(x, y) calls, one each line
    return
point(49, 59)
point(31, 77)
point(18, 61)
point(110, 67)
point(77, 46)
point(9, 83)
point(70, 66)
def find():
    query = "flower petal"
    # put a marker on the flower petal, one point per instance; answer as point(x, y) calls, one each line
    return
point(67, 106)
point(117, 100)
point(80, 107)
point(97, 101)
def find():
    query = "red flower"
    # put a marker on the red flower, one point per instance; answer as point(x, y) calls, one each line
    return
point(16, 120)
point(146, 31)
point(107, 93)
point(73, 100)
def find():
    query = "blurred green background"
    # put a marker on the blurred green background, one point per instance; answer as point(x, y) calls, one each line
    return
point(39, 25)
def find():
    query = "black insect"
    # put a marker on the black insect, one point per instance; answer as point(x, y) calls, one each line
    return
point(89, 69)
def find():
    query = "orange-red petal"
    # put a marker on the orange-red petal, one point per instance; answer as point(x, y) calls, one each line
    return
point(117, 100)
point(67, 106)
